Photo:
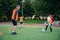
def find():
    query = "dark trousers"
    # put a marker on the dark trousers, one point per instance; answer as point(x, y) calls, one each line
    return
point(47, 27)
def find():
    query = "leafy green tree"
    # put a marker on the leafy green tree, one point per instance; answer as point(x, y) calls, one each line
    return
point(46, 7)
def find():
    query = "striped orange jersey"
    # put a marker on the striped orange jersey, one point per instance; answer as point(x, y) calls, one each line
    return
point(14, 15)
point(51, 20)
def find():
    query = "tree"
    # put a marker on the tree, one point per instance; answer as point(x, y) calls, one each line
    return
point(6, 7)
point(28, 10)
point(46, 7)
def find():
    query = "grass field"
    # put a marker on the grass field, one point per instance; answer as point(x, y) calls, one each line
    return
point(29, 33)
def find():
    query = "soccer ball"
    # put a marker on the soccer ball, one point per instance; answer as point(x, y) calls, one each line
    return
point(43, 30)
point(0, 33)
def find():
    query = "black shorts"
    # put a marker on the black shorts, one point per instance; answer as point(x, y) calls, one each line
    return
point(14, 22)
point(21, 22)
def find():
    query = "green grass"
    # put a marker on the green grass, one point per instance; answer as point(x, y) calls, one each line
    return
point(29, 33)
point(34, 21)
point(30, 21)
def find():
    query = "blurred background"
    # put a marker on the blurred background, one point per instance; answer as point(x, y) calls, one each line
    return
point(32, 9)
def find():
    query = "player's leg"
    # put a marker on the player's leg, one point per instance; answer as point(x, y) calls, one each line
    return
point(21, 24)
point(15, 24)
point(46, 27)
point(51, 28)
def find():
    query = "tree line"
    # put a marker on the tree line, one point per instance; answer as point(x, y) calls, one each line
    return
point(30, 8)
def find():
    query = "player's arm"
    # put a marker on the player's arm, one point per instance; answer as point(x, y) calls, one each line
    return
point(17, 16)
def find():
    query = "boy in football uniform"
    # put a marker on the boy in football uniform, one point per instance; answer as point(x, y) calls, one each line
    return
point(14, 18)
point(21, 21)
point(49, 22)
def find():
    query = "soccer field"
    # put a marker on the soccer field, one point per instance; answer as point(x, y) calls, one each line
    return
point(29, 33)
